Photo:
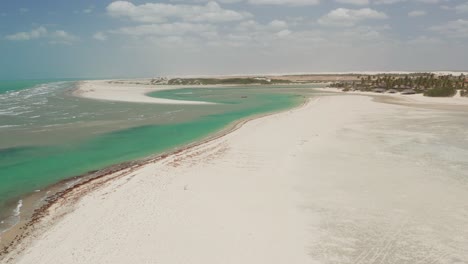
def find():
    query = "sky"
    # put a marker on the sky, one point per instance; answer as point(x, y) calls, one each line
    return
point(145, 38)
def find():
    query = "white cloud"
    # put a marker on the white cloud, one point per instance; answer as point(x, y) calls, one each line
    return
point(349, 17)
point(100, 36)
point(389, 2)
point(353, 2)
point(88, 10)
point(229, 1)
point(278, 24)
point(161, 12)
point(33, 34)
point(431, 1)
point(247, 25)
point(165, 29)
point(62, 37)
point(417, 13)
point(285, 2)
point(254, 28)
point(424, 40)
point(462, 8)
point(283, 33)
point(456, 28)
point(55, 37)
point(316, 2)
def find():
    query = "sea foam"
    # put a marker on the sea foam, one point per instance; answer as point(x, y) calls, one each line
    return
point(17, 210)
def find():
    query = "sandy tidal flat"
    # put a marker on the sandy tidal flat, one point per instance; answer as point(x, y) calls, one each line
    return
point(341, 180)
point(127, 92)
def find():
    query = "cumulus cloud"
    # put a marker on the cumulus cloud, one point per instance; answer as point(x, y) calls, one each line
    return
point(462, 8)
point(165, 29)
point(252, 27)
point(228, 1)
point(285, 2)
point(417, 13)
point(353, 2)
point(54, 37)
point(283, 33)
point(278, 24)
point(316, 2)
point(424, 40)
point(349, 17)
point(88, 10)
point(100, 36)
point(389, 2)
point(33, 34)
point(456, 28)
point(161, 12)
point(432, 1)
point(61, 37)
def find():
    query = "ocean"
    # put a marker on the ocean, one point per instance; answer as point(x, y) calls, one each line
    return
point(48, 135)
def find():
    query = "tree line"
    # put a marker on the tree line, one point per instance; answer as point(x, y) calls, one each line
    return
point(427, 83)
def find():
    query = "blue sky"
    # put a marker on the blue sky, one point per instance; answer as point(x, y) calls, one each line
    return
point(103, 39)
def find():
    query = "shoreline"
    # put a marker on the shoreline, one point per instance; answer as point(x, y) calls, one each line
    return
point(137, 90)
point(90, 181)
point(215, 202)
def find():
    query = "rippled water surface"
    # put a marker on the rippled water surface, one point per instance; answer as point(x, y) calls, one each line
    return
point(47, 135)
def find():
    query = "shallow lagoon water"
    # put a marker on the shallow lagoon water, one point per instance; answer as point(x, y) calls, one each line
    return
point(48, 135)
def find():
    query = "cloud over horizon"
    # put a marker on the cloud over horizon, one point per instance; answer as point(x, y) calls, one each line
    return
point(54, 37)
point(245, 36)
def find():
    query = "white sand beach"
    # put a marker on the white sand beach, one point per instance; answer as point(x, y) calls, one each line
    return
point(342, 179)
point(127, 92)
point(413, 99)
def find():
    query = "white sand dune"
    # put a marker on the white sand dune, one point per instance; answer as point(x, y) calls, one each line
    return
point(340, 180)
point(127, 92)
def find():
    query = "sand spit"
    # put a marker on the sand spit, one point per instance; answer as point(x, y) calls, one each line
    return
point(127, 91)
point(343, 179)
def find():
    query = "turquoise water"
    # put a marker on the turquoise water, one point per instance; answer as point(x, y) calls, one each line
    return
point(25, 168)
point(6, 86)
point(15, 85)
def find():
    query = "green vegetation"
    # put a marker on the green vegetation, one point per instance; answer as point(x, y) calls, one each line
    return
point(427, 83)
point(441, 92)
